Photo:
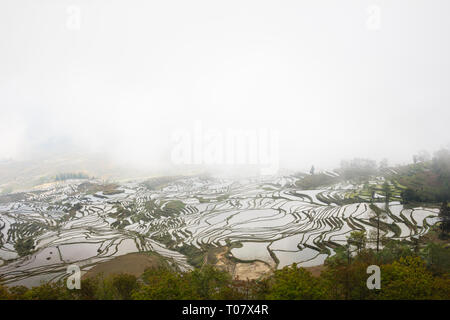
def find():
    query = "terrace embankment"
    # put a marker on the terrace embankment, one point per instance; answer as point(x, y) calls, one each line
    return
point(136, 263)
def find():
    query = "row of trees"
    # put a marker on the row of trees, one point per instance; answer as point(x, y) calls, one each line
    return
point(406, 273)
point(357, 169)
point(71, 175)
point(444, 214)
point(24, 246)
point(427, 180)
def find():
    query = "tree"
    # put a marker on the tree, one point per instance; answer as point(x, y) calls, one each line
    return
point(408, 195)
point(437, 257)
point(372, 193)
point(387, 194)
point(378, 214)
point(358, 239)
point(444, 214)
point(4, 294)
point(384, 163)
point(24, 246)
point(124, 284)
point(422, 156)
point(164, 284)
point(296, 283)
point(48, 291)
point(88, 290)
point(394, 250)
point(345, 278)
point(17, 292)
point(209, 281)
point(358, 169)
point(407, 279)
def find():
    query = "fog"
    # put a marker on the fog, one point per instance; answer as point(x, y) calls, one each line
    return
point(318, 81)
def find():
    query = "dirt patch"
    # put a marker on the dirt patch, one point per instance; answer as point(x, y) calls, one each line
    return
point(89, 187)
point(251, 270)
point(132, 263)
point(241, 270)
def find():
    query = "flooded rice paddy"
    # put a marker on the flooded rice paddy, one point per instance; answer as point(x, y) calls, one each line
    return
point(269, 219)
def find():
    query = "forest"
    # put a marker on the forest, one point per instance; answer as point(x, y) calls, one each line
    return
point(408, 271)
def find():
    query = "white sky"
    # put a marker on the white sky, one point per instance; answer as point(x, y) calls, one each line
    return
point(136, 71)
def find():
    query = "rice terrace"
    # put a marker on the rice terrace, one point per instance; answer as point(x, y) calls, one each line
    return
point(217, 159)
point(189, 221)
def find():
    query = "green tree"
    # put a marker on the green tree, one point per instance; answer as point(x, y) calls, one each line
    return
point(48, 291)
point(4, 294)
point(24, 246)
point(124, 285)
point(444, 214)
point(394, 250)
point(164, 284)
point(208, 281)
point(407, 278)
point(296, 283)
point(387, 194)
point(437, 257)
point(348, 280)
point(18, 292)
point(358, 239)
point(409, 195)
point(378, 214)
point(89, 289)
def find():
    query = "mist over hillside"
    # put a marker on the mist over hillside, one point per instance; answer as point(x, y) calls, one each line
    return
point(202, 149)
point(373, 85)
